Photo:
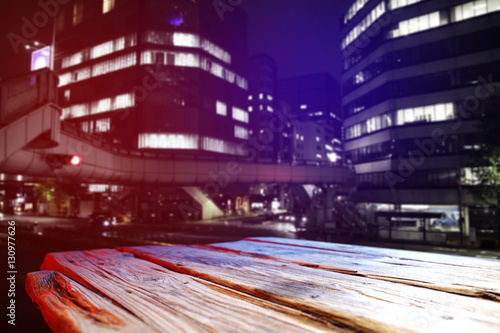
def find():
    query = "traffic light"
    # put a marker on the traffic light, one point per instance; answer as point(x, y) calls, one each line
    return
point(75, 160)
point(57, 161)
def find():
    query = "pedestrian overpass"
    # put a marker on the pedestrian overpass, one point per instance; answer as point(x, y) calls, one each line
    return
point(31, 130)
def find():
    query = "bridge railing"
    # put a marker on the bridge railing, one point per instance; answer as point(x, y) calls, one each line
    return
point(21, 94)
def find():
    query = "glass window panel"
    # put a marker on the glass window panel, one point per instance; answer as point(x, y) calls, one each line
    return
point(493, 5)
point(107, 5)
point(413, 25)
point(409, 116)
point(434, 20)
point(480, 7)
point(423, 22)
point(429, 113)
point(450, 113)
point(403, 28)
point(400, 118)
point(468, 10)
point(186, 39)
point(457, 15)
point(419, 114)
point(440, 111)
point(221, 108)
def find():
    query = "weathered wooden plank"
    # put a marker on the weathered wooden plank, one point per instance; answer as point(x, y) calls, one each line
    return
point(354, 301)
point(173, 302)
point(389, 266)
point(441, 259)
point(67, 306)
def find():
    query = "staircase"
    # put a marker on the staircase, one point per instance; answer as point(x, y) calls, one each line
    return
point(347, 218)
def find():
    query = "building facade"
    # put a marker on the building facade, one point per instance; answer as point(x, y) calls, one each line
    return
point(156, 75)
point(315, 101)
point(263, 105)
point(417, 76)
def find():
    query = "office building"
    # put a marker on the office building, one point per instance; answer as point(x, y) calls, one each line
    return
point(314, 100)
point(416, 78)
point(153, 75)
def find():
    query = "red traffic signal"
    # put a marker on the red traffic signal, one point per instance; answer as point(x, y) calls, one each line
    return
point(57, 161)
point(75, 160)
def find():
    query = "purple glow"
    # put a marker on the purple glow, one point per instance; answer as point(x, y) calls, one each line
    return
point(175, 19)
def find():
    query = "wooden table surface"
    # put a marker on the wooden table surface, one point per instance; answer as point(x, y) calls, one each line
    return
point(266, 285)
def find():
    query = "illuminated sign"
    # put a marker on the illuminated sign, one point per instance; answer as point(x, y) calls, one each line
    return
point(40, 59)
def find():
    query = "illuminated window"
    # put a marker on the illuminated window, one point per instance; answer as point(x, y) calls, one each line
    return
point(114, 65)
point(64, 79)
point(359, 78)
point(269, 97)
point(102, 125)
point(72, 60)
point(270, 108)
point(79, 110)
point(218, 146)
point(354, 9)
point(394, 4)
point(303, 107)
point(364, 24)
point(107, 5)
point(240, 115)
point(100, 106)
point(216, 51)
point(221, 108)
point(429, 113)
point(473, 9)
point(124, 101)
point(217, 70)
point(98, 69)
point(101, 50)
point(261, 96)
point(186, 39)
point(417, 24)
point(77, 12)
point(168, 141)
point(241, 82)
point(250, 108)
point(241, 132)
point(250, 97)
point(187, 60)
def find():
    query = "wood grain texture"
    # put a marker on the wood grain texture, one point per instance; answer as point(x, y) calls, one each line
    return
point(395, 266)
point(69, 307)
point(354, 301)
point(171, 302)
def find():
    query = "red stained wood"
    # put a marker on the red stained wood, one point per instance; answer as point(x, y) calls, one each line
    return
point(171, 302)
point(266, 285)
point(67, 306)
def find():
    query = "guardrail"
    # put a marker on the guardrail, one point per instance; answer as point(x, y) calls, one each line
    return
point(20, 95)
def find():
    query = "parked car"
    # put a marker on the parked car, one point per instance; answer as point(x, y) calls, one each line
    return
point(102, 220)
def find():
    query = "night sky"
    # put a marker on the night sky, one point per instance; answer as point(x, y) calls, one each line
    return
point(302, 35)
